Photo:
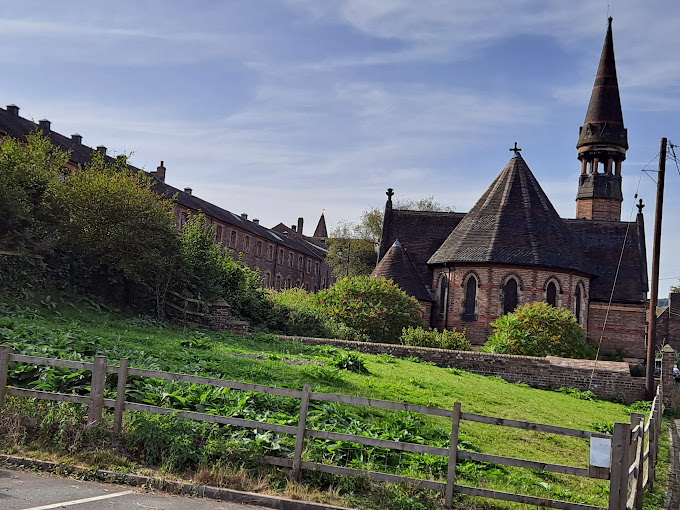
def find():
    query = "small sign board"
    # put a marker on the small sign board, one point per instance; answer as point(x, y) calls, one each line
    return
point(600, 451)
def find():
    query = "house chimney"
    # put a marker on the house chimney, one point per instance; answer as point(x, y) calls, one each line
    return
point(256, 221)
point(299, 226)
point(293, 228)
point(101, 148)
point(244, 216)
point(13, 109)
point(160, 172)
point(77, 138)
point(187, 191)
point(44, 124)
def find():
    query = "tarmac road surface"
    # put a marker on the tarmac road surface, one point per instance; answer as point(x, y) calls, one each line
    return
point(24, 490)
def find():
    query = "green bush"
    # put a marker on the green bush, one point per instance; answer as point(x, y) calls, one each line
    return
point(538, 329)
point(299, 314)
point(375, 307)
point(419, 337)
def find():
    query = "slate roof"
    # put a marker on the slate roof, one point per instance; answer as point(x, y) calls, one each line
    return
point(321, 231)
point(18, 127)
point(601, 243)
point(420, 233)
point(513, 223)
point(398, 266)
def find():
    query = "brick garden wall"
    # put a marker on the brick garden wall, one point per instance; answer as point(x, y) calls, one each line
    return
point(611, 379)
point(626, 328)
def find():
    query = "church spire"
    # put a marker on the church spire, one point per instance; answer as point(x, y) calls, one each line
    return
point(602, 144)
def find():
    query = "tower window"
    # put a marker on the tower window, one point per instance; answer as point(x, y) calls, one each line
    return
point(510, 296)
point(579, 302)
point(443, 294)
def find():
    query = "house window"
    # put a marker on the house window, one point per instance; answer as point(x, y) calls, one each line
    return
point(182, 220)
point(510, 296)
point(470, 299)
point(218, 234)
point(309, 266)
point(300, 263)
point(323, 282)
point(278, 282)
point(290, 259)
point(246, 247)
point(258, 249)
point(280, 260)
point(307, 287)
point(551, 294)
point(270, 252)
point(267, 279)
point(443, 295)
point(298, 283)
point(316, 268)
point(232, 240)
point(288, 282)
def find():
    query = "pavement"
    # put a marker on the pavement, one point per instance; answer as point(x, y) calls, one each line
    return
point(26, 490)
point(673, 499)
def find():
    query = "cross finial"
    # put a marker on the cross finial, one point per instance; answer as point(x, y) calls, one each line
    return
point(515, 149)
point(640, 205)
point(389, 193)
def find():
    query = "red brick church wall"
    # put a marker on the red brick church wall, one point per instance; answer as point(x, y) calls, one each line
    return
point(626, 328)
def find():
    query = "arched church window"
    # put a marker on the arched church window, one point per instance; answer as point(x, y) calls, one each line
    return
point(470, 299)
point(510, 296)
point(443, 295)
point(551, 294)
point(579, 304)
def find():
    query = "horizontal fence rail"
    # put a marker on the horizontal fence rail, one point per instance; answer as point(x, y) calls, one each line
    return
point(633, 447)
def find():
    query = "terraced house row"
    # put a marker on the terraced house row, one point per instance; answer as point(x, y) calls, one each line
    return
point(284, 256)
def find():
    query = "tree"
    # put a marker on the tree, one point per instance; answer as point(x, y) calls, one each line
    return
point(374, 307)
point(353, 247)
point(538, 329)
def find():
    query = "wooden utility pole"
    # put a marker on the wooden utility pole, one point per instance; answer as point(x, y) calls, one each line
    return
point(654, 291)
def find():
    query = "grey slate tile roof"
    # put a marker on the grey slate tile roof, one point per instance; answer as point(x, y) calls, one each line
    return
point(513, 223)
point(398, 266)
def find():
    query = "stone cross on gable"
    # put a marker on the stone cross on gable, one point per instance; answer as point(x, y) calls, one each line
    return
point(389, 193)
point(640, 205)
point(515, 149)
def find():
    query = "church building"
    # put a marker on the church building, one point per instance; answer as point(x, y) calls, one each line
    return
point(512, 248)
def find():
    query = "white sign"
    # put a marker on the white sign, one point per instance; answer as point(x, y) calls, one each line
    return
point(600, 451)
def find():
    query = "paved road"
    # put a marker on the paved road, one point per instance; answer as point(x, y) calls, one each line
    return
point(22, 490)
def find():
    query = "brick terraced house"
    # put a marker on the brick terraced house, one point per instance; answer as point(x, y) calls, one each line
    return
point(285, 257)
point(512, 248)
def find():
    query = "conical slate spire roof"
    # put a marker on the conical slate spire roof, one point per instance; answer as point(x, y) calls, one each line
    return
point(512, 223)
point(321, 231)
point(604, 113)
point(398, 266)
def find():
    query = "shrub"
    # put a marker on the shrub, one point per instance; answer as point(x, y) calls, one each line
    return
point(455, 340)
point(538, 329)
point(298, 313)
point(375, 307)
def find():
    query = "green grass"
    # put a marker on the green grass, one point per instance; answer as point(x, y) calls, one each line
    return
point(85, 330)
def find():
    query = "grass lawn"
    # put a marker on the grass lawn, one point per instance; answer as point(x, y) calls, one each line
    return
point(81, 331)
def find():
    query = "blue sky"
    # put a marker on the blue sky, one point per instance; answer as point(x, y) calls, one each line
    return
point(283, 108)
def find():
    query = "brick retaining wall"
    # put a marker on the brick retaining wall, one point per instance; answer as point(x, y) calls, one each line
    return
point(611, 379)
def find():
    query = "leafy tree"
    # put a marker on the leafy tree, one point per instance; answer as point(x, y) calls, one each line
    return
point(353, 247)
point(538, 329)
point(119, 223)
point(375, 307)
point(676, 288)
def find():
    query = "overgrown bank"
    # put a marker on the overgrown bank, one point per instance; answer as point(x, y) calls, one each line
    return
point(202, 450)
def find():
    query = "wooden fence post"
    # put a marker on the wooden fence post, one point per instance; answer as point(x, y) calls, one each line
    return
point(300, 437)
point(638, 450)
point(96, 405)
point(618, 484)
point(4, 370)
point(453, 454)
point(120, 396)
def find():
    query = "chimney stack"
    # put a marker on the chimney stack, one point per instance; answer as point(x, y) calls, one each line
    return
point(101, 148)
point(13, 109)
point(77, 138)
point(244, 216)
point(44, 125)
point(256, 221)
point(293, 228)
point(299, 226)
point(187, 191)
point(160, 172)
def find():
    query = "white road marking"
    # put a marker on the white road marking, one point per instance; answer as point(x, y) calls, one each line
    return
point(79, 501)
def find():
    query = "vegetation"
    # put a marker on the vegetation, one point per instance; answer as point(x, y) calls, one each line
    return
point(455, 340)
point(86, 329)
point(374, 307)
point(538, 329)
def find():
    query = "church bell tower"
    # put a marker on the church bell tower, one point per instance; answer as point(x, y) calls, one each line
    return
point(602, 144)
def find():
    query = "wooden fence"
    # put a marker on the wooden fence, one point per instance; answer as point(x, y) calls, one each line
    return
point(628, 458)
